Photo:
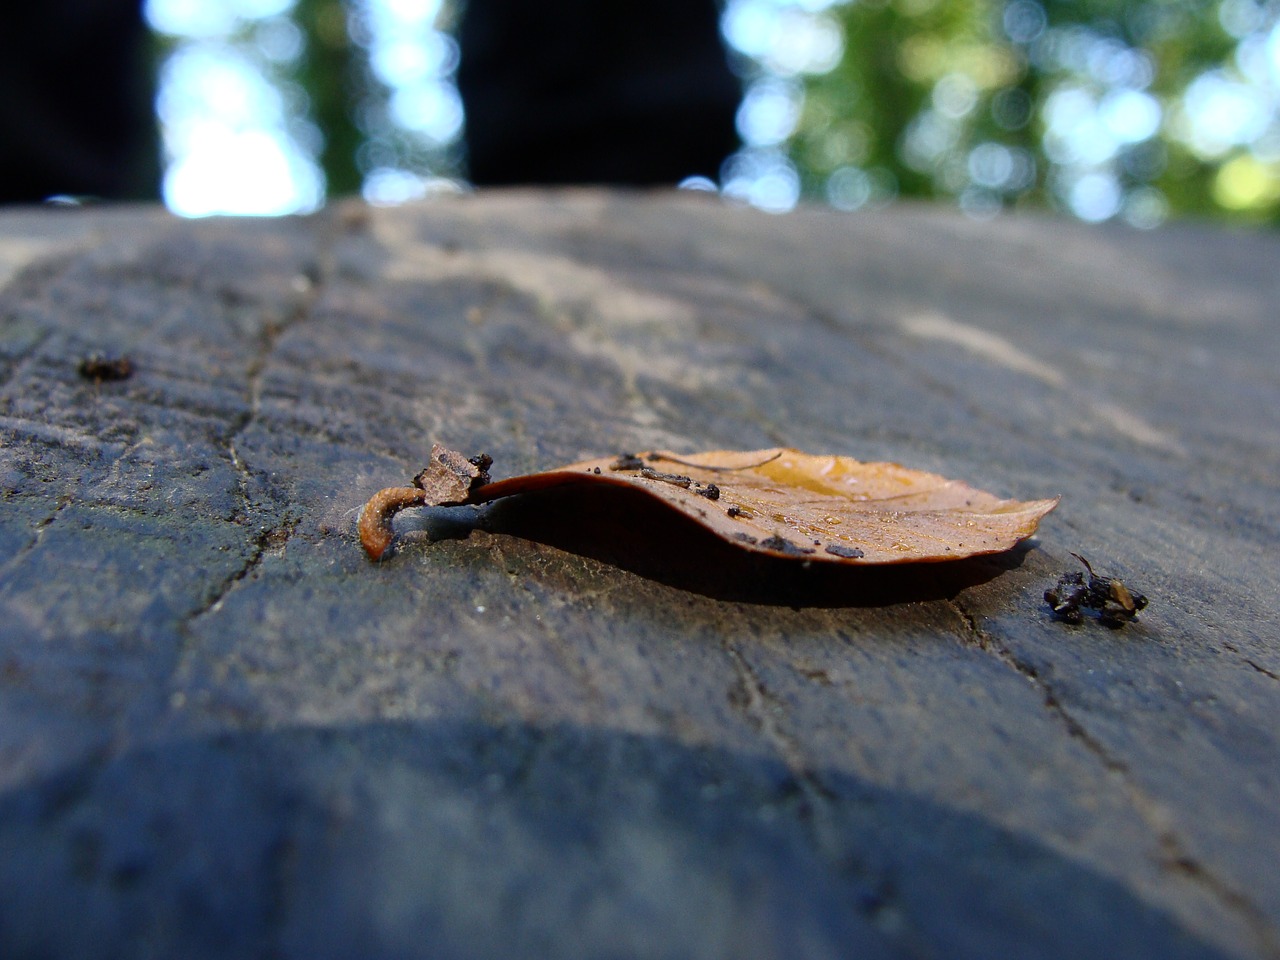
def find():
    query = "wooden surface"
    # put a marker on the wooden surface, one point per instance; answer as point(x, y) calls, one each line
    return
point(563, 727)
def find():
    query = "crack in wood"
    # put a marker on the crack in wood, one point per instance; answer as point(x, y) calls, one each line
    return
point(63, 437)
point(877, 902)
point(277, 535)
point(45, 522)
point(316, 273)
point(267, 540)
point(1262, 670)
point(1174, 852)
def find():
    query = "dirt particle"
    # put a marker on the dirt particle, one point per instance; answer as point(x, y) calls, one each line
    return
point(676, 479)
point(783, 545)
point(100, 368)
point(482, 462)
point(1113, 601)
point(848, 553)
point(711, 492)
point(627, 461)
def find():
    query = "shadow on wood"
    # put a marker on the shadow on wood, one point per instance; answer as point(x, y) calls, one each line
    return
point(433, 839)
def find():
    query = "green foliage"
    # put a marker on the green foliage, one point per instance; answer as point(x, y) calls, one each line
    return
point(1138, 110)
point(1010, 104)
point(331, 73)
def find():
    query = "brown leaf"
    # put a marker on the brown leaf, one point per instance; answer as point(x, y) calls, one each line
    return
point(780, 502)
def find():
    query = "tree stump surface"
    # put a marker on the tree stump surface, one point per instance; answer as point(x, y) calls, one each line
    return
point(567, 725)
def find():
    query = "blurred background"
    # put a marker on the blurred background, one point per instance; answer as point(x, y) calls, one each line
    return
point(1136, 111)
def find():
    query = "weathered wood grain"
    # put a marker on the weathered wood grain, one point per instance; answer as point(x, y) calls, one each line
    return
point(566, 727)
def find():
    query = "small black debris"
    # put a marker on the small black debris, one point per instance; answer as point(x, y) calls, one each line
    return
point(675, 479)
point(783, 545)
point(1067, 596)
point(596, 471)
point(839, 550)
point(1114, 602)
point(627, 461)
point(711, 492)
point(100, 368)
point(736, 512)
point(482, 462)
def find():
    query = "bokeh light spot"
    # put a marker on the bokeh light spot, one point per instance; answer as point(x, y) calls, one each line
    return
point(1145, 208)
point(1221, 113)
point(769, 112)
point(765, 178)
point(1243, 183)
point(1024, 21)
point(955, 95)
point(1095, 197)
point(1130, 115)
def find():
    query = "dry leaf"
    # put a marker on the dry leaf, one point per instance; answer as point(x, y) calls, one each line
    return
point(779, 502)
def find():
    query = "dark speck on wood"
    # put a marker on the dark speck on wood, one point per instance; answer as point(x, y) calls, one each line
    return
point(99, 368)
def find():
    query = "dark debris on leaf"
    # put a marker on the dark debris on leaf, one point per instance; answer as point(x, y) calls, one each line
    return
point(839, 550)
point(627, 461)
point(675, 479)
point(783, 545)
point(482, 462)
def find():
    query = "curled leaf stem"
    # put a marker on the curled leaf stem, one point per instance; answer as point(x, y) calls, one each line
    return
point(374, 524)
